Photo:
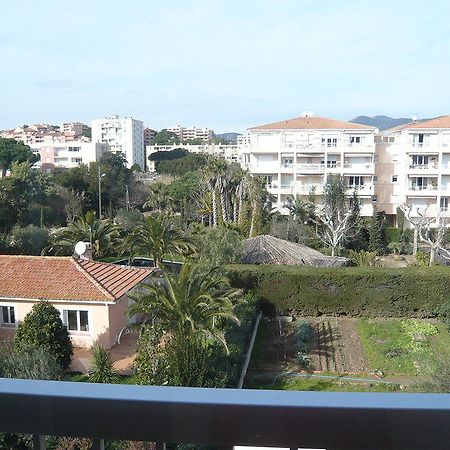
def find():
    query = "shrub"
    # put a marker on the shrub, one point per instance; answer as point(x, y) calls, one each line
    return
point(29, 240)
point(354, 291)
point(303, 337)
point(219, 246)
point(43, 328)
point(392, 234)
point(363, 258)
point(102, 367)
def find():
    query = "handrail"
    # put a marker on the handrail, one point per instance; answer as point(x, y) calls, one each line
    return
point(226, 416)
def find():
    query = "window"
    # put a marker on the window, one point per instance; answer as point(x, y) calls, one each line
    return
point(355, 139)
point(8, 315)
point(394, 178)
point(375, 179)
point(392, 139)
point(355, 181)
point(76, 320)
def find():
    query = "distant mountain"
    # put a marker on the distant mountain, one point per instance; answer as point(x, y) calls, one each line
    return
point(230, 137)
point(381, 122)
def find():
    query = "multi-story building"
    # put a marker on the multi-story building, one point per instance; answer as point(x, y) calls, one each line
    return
point(191, 133)
point(68, 154)
point(77, 128)
point(38, 134)
point(413, 168)
point(296, 156)
point(149, 135)
point(227, 152)
point(124, 135)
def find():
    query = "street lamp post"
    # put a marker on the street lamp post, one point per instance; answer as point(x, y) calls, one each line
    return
point(100, 176)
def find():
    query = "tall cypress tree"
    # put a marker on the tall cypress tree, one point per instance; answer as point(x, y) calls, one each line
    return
point(376, 233)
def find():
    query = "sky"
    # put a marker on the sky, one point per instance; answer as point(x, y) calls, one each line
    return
point(227, 65)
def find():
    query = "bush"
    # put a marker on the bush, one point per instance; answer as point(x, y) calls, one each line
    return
point(354, 291)
point(43, 328)
point(219, 246)
point(303, 337)
point(392, 234)
point(29, 240)
point(363, 258)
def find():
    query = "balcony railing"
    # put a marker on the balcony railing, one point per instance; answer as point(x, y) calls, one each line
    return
point(360, 187)
point(225, 417)
point(423, 166)
point(428, 187)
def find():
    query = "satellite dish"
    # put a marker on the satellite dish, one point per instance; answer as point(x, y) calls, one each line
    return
point(80, 248)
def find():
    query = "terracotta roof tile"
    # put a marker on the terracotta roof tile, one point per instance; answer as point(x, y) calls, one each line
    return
point(437, 122)
point(312, 123)
point(65, 278)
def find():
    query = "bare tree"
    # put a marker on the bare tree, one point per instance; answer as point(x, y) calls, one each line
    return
point(334, 226)
point(73, 202)
point(431, 229)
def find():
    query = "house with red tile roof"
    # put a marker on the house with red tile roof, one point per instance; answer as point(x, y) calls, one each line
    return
point(91, 296)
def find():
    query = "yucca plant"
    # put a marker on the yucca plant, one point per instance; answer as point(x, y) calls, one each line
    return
point(102, 367)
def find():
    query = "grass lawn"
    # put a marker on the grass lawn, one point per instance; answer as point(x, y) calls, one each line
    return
point(398, 347)
point(296, 383)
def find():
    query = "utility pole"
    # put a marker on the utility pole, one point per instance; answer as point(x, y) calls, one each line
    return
point(127, 198)
point(99, 193)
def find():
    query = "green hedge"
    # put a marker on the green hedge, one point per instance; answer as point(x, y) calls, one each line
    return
point(353, 291)
point(392, 234)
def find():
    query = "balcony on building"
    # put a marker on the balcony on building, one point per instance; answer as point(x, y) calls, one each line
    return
point(423, 184)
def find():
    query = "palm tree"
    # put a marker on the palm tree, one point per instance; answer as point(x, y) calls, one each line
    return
point(102, 234)
point(258, 195)
point(159, 198)
point(192, 304)
point(102, 367)
point(157, 237)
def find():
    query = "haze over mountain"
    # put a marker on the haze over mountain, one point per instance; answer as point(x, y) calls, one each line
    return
point(381, 122)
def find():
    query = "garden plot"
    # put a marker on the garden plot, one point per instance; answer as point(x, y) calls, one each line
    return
point(334, 346)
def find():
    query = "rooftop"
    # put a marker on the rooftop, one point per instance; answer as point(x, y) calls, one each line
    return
point(65, 278)
point(312, 123)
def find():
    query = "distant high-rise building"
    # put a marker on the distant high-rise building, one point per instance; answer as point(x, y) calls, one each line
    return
point(189, 134)
point(124, 135)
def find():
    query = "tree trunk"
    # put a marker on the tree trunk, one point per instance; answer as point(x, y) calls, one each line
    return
point(416, 243)
point(223, 205)
point(214, 208)
point(432, 255)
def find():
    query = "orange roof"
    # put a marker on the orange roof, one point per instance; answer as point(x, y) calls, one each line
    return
point(311, 123)
point(437, 122)
point(65, 278)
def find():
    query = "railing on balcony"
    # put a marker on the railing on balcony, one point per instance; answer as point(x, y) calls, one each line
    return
point(360, 187)
point(424, 166)
point(427, 187)
point(365, 166)
point(225, 417)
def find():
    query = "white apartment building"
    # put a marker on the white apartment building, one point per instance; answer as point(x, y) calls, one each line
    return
point(125, 135)
point(68, 154)
point(296, 156)
point(190, 133)
point(227, 152)
point(413, 167)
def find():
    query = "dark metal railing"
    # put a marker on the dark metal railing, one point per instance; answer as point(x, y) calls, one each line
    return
point(225, 417)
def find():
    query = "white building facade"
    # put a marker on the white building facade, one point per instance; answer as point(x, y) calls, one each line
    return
point(191, 133)
point(122, 135)
point(413, 168)
point(296, 156)
point(67, 155)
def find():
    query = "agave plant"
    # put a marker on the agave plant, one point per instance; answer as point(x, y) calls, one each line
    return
point(102, 367)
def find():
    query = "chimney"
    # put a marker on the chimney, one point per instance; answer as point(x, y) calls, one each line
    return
point(83, 250)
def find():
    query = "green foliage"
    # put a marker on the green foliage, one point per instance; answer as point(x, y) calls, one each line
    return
point(422, 259)
point(376, 240)
point(43, 328)
point(165, 137)
point(363, 258)
point(353, 291)
point(168, 156)
point(102, 367)
point(12, 151)
point(128, 220)
point(29, 240)
point(31, 363)
point(219, 246)
point(303, 337)
point(180, 166)
point(392, 234)
point(102, 234)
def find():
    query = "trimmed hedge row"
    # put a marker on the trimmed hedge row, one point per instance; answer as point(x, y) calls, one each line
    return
point(353, 291)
